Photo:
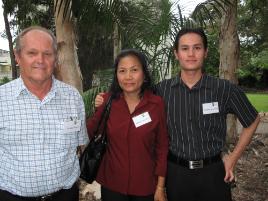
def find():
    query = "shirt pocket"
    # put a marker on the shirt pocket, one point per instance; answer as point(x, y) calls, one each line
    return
point(212, 121)
point(66, 137)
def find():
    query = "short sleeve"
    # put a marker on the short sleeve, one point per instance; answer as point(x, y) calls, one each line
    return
point(240, 105)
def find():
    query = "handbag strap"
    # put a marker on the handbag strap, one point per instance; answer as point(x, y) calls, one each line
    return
point(103, 120)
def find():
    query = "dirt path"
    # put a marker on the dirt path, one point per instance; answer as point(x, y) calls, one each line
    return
point(252, 171)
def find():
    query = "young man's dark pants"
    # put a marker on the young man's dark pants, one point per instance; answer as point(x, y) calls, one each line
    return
point(203, 184)
point(71, 194)
point(109, 195)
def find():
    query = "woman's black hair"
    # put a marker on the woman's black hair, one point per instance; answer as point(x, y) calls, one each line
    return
point(115, 89)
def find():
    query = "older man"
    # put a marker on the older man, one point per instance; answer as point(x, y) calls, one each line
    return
point(42, 122)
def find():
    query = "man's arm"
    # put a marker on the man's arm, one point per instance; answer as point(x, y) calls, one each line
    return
point(231, 159)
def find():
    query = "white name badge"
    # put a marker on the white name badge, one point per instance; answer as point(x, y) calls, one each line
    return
point(71, 126)
point(210, 108)
point(141, 119)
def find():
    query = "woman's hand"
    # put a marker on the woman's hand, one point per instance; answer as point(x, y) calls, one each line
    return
point(160, 194)
point(99, 100)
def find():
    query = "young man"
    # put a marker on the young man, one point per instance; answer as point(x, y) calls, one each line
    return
point(42, 122)
point(197, 106)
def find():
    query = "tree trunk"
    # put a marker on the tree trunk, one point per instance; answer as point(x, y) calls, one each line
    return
point(117, 41)
point(68, 69)
point(229, 58)
point(10, 43)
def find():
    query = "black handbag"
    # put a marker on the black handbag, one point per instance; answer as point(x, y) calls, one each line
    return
point(91, 157)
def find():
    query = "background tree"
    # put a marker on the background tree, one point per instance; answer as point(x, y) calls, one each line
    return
point(68, 65)
point(96, 22)
point(6, 10)
point(24, 13)
point(147, 25)
point(229, 58)
point(253, 31)
point(228, 49)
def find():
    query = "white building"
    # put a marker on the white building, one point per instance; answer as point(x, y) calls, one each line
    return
point(5, 64)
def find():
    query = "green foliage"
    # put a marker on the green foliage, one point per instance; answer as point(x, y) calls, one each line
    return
point(30, 12)
point(158, 33)
point(102, 80)
point(207, 12)
point(96, 20)
point(213, 59)
point(4, 80)
point(261, 60)
point(252, 25)
point(89, 98)
point(148, 25)
point(254, 68)
point(103, 77)
point(259, 101)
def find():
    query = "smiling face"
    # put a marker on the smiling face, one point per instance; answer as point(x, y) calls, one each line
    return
point(130, 74)
point(191, 52)
point(36, 58)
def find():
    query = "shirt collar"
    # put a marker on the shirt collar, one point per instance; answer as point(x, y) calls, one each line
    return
point(146, 97)
point(205, 82)
point(21, 88)
point(202, 83)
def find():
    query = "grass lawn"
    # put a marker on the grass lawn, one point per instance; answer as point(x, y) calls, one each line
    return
point(260, 101)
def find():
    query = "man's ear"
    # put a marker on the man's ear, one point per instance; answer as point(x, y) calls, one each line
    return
point(16, 55)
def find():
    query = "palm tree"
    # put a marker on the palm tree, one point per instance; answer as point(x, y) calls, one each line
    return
point(68, 66)
point(147, 25)
point(98, 19)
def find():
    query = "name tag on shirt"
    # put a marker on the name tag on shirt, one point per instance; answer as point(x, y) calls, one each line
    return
point(141, 119)
point(73, 125)
point(210, 108)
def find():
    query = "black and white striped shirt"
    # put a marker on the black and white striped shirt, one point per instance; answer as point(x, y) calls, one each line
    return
point(196, 129)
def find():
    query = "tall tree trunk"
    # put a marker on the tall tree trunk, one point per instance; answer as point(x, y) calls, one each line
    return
point(117, 40)
point(229, 58)
point(68, 69)
point(10, 43)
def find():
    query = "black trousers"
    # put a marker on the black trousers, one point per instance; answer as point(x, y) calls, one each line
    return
point(109, 195)
point(71, 194)
point(204, 184)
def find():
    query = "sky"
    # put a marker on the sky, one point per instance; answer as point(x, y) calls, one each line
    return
point(186, 5)
point(3, 42)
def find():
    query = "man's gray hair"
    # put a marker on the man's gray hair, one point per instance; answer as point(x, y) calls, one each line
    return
point(19, 45)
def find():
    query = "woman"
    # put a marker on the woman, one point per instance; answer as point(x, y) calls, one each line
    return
point(134, 165)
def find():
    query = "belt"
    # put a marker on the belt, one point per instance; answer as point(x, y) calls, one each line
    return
point(194, 164)
point(48, 197)
point(42, 198)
